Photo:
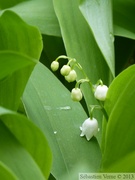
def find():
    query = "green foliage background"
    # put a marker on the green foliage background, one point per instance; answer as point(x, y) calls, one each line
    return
point(39, 127)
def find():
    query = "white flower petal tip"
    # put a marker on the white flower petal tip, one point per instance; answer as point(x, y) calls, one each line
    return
point(81, 134)
point(80, 128)
point(88, 138)
point(89, 128)
point(101, 92)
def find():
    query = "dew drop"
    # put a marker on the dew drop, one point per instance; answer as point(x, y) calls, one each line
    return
point(64, 108)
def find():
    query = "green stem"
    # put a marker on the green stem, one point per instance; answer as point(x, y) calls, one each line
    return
point(72, 60)
point(80, 82)
point(62, 57)
point(103, 110)
point(100, 82)
point(92, 88)
point(92, 107)
point(85, 75)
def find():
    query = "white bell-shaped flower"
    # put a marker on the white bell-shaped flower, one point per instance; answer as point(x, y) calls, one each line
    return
point(101, 92)
point(89, 128)
point(76, 94)
point(71, 76)
point(54, 65)
point(65, 70)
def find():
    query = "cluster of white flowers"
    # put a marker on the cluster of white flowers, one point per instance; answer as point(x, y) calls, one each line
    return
point(69, 73)
point(70, 76)
point(89, 127)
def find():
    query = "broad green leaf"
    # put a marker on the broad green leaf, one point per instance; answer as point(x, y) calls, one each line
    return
point(11, 62)
point(30, 137)
point(49, 106)
point(13, 155)
point(12, 87)
point(98, 14)
point(125, 164)
point(20, 48)
point(119, 139)
point(16, 35)
point(123, 13)
point(6, 173)
point(74, 174)
point(81, 45)
point(39, 13)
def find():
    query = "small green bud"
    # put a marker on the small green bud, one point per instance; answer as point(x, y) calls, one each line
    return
point(54, 65)
point(101, 92)
point(71, 76)
point(76, 94)
point(65, 70)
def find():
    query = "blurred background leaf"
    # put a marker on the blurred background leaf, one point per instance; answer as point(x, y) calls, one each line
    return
point(20, 50)
point(11, 61)
point(124, 23)
point(39, 13)
point(6, 173)
point(30, 137)
point(13, 155)
point(18, 36)
point(7, 3)
point(98, 14)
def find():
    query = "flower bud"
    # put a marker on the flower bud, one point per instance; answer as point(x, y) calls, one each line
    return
point(101, 92)
point(76, 94)
point(89, 128)
point(54, 65)
point(65, 70)
point(71, 76)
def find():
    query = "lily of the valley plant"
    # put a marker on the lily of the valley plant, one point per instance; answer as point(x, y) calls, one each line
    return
point(89, 127)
